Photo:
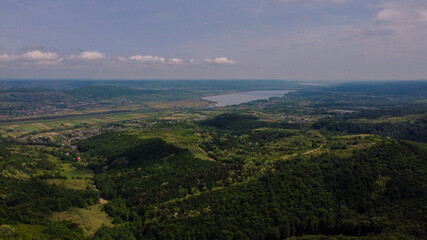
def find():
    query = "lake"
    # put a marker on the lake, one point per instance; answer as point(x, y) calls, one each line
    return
point(243, 97)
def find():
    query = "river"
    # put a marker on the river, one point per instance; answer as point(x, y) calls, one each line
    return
point(243, 97)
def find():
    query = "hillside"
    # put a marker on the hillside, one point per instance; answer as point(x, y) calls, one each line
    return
point(342, 162)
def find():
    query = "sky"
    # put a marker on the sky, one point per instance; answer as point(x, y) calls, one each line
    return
point(221, 39)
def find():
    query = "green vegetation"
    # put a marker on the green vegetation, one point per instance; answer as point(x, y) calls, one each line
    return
point(89, 219)
point(147, 170)
point(76, 184)
point(70, 171)
point(327, 194)
point(30, 194)
point(415, 130)
point(343, 162)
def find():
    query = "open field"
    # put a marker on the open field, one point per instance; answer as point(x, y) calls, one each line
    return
point(71, 172)
point(176, 110)
point(183, 138)
point(89, 219)
point(76, 184)
point(21, 128)
point(393, 119)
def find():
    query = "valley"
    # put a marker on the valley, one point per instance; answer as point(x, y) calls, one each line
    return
point(321, 162)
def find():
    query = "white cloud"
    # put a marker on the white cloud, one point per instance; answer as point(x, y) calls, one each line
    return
point(50, 58)
point(316, 1)
point(398, 13)
point(147, 59)
point(150, 59)
point(7, 58)
point(89, 56)
point(32, 57)
point(175, 61)
point(219, 60)
point(401, 21)
point(39, 55)
point(46, 62)
point(122, 59)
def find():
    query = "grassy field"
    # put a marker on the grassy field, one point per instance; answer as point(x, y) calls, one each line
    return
point(76, 184)
point(71, 172)
point(385, 119)
point(19, 128)
point(89, 219)
point(183, 138)
point(149, 111)
point(23, 231)
point(345, 145)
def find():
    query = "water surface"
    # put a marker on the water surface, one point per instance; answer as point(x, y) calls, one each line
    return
point(243, 97)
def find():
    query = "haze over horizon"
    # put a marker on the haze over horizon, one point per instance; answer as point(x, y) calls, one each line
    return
point(273, 39)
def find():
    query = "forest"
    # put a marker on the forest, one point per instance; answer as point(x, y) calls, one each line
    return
point(345, 161)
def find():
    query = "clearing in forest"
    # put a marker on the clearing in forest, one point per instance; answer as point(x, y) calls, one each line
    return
point(89, 219)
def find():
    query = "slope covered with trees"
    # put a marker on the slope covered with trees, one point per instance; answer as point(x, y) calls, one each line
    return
point(330, 195)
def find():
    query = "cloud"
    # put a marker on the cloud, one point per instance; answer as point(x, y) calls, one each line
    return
point(313, 1)
point(219, 60)
point(36, 48)
point(145, 59)
point(411, 12)
point(81, 61)
point(175, 61)
point(89, 56)
point(7, 58)
point(151, 59)
point(35, 57)
point(404, 21)
point(53, 62)
point(122, 59)
point(39, 55)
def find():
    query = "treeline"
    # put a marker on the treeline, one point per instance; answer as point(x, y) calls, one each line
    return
point(119, 149)
point(239, 123)
point(415, 130)
point(356, 100)
point(105, 92)
point(401, 88)
point(191, 85)
point(41, 95)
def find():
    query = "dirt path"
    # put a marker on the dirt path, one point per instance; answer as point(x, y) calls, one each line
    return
point(203, 151)
point(314, 150)
point(102, 201)
point(66, 139)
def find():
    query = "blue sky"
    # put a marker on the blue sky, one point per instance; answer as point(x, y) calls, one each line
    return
point(241, 39)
